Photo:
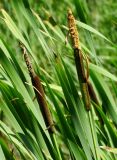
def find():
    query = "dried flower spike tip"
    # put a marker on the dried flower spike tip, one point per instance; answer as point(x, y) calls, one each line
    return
point(27, 60)
point(73, 30)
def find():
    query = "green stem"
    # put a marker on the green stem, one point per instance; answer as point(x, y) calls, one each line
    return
point(93, 136)
point(53, 138)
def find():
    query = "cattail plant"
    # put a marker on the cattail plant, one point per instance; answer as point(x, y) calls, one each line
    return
point(76, 132)
point(40, 95)
point(79, 60)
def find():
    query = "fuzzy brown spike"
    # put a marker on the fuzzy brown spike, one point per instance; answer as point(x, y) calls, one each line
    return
point(43, 104)
point(40, 95)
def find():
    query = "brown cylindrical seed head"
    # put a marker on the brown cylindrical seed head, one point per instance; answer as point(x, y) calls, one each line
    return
point(43, 104)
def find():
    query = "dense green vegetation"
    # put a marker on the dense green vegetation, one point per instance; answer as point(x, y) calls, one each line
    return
point(36, 32)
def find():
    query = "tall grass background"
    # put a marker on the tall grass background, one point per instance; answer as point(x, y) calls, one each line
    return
point(42, 28)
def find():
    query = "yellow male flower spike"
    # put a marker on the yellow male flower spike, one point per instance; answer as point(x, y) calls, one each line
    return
point(73, 30)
